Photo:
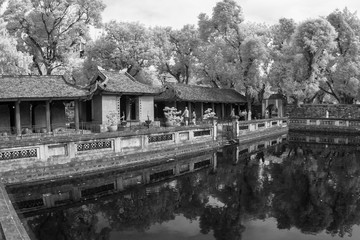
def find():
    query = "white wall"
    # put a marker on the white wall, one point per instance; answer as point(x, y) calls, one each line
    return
point(109, 104)
point(146, 108)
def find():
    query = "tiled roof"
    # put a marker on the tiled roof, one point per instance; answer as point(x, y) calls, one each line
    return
point(116, 82)
point(277, 96)
point(37, 86)
point(191, 93)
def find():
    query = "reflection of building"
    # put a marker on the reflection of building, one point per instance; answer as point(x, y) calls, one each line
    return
point(198, 99)
point(33, 197)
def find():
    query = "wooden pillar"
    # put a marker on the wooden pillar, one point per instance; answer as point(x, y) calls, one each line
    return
point(76, 114)
point(190, 111)
point(128, 108)
point(17, 118)
point(48, 122)
point(222, 111)
point(213, 106)
point(202, 110)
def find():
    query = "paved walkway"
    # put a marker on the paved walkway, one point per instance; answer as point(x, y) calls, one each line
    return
point(12, 228)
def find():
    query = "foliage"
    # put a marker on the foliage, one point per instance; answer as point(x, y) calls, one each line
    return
point(209, 114)
point(124, 45)
point(301, 61)
point(243, 49)
point(11, 60)
point(112, 118)
point(177, 52)
point(172, 115)
point(343, 73)
point(51, 30)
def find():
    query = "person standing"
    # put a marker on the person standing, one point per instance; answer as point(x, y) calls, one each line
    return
point(186, 116)
point(194, 117)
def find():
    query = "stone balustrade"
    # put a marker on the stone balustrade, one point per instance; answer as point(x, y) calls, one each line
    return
point(324, 124)
point(246, 127)
point(43, 158)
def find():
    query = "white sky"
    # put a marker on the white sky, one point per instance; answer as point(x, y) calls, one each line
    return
point(177, 13)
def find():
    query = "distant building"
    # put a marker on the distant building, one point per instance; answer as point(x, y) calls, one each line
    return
point(198, 98)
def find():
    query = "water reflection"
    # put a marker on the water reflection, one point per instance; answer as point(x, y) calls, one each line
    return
point(299, 189)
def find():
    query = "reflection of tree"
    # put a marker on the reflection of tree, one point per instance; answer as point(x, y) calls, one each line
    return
point(317, 189)
point(239, 189)
point(313, 189)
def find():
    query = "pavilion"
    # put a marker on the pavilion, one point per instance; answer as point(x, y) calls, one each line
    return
point(33, 103)
point(198, 98)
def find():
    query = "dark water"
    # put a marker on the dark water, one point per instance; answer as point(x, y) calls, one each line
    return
point(306, 187)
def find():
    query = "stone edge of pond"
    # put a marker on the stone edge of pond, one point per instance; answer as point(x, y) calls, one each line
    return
point(11, 226)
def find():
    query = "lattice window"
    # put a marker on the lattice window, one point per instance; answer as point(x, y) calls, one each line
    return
point(273, 123)
point(261, 125)
point(94, 145)
point(91, 192)
point(201, 133)
point(29, 203)
point(327, 122)
point(244, 127)
point(160, 138)
point(161, 175)
point(25, 153)
point(201, 164)
point(354, 124)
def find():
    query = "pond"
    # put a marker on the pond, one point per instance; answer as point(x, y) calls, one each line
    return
point(304, 187)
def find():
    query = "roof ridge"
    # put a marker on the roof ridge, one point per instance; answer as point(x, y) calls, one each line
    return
point(199, 86)
point(23, 75)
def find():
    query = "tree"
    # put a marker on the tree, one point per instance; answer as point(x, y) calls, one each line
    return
point(300, 62)
point(11, 60)
point(124, 46)
point(343, 72)
point(177, 55)
point(246, 47)
point(51, 29)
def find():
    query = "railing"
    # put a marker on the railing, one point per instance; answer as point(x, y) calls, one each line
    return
point(261, 124)
point(324, 123)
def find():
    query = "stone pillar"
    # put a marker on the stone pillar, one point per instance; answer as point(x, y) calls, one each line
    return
point(47, 111)
point(235, 127)
point(237, 153)
point(119, 184)
point(214, 130)
point(17, 118)
point(214, 161)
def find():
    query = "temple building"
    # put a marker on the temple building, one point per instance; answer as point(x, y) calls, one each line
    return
point(198, 99)
point(36, 103)
point(119, 93)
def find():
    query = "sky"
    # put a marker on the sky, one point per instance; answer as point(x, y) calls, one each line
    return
point(177, 13)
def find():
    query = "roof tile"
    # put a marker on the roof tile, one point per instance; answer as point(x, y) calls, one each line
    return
point(192, 93)
point(37, 86)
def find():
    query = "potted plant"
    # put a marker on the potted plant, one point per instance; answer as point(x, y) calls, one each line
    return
point(209, 114)
point(112, 119)
point(172, 116)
